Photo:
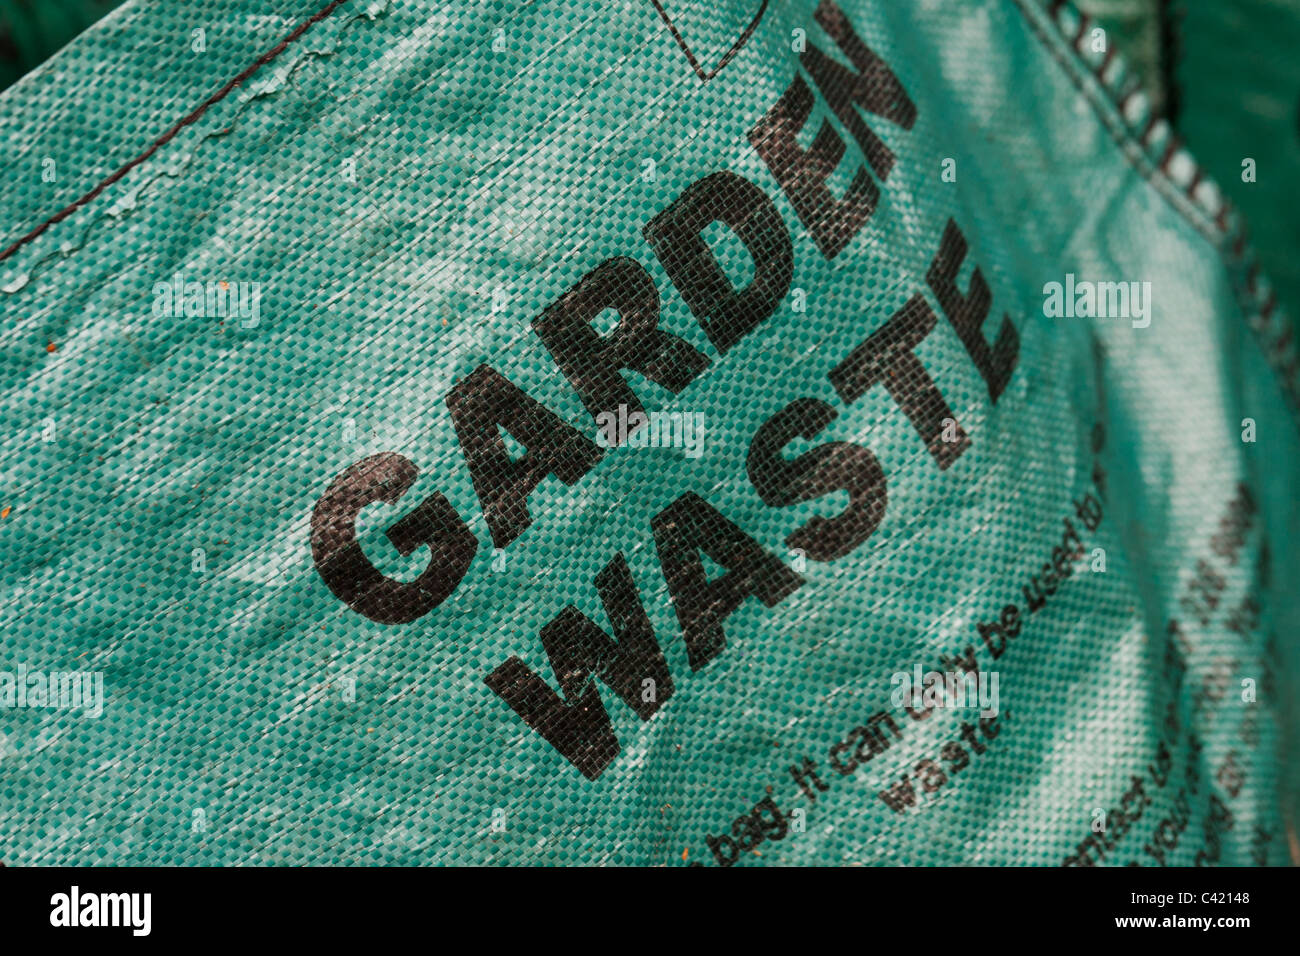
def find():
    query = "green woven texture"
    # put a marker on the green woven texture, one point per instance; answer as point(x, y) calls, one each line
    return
point(363, 587)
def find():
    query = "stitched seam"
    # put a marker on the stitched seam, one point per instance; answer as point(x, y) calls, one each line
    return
point(1228, 239)
point(176, 127)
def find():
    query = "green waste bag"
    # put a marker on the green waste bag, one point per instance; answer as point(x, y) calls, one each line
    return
point(634, 433)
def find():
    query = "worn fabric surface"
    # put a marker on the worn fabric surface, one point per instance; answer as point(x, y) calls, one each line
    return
point(319, 444)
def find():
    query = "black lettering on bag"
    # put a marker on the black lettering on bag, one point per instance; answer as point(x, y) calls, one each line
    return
point(578, 725)
point(873, 88)
point(592, 362)
point(835, 466)
point(967, 313)
point(886, 358)
point(343, 565)
point(691, 525)
point(802, 174)
point(482, 404)
point(725, 313)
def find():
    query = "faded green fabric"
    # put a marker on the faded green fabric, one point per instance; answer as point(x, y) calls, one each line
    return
point(405, 194)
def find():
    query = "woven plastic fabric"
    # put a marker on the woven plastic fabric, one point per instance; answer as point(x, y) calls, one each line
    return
point(341, 356)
